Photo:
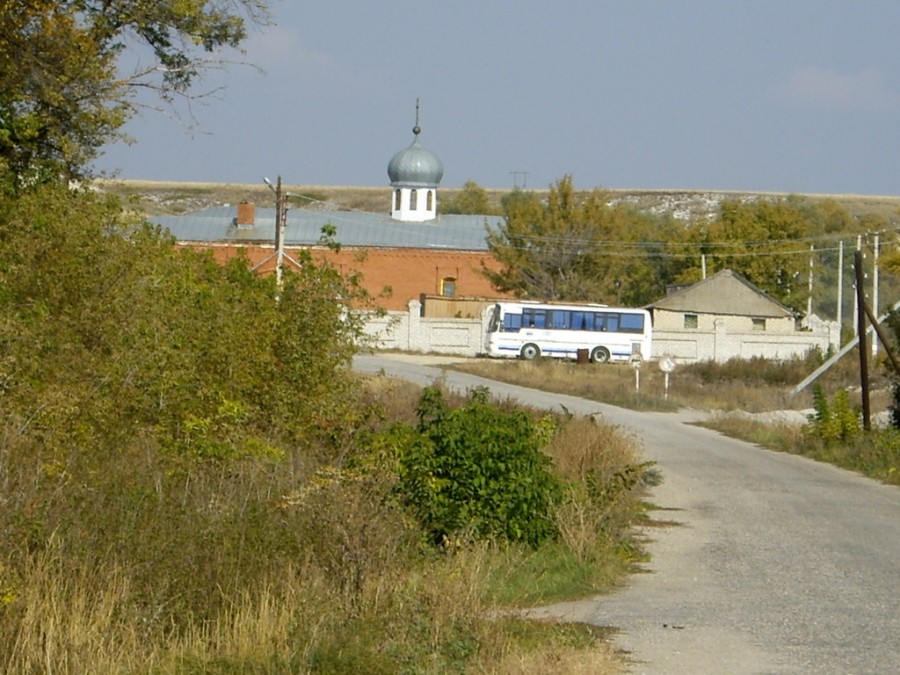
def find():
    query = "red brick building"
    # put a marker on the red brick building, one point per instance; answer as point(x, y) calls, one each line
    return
point(409, 249)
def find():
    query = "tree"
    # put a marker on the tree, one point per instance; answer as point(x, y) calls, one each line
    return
point(109, 331)
point(577, 247)
point(63, 97)
point(471, 200)
point(761, 241)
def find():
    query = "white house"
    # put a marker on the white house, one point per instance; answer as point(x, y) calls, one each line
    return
point(725, 317)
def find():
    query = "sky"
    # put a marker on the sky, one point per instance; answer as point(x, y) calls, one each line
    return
point(798, 96)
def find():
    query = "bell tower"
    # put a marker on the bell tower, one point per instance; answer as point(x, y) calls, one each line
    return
point(415, 174)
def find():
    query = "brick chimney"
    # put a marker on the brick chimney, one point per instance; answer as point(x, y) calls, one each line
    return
point(246, 214)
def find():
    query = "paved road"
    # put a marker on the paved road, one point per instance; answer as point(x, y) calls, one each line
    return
point(780, 564)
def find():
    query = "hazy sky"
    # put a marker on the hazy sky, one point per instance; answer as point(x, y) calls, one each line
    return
point(784, 95)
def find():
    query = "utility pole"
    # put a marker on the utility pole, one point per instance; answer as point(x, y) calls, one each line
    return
point(280, 221)
point(280, 217)
point(859, 276)
point(809, 299)
point(840, 289)
point(875, 291)
point(863, 347)
point(524, 175)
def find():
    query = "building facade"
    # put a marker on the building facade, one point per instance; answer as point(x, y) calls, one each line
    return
point(400, 255)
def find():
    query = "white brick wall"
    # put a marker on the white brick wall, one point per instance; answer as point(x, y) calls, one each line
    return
point(723, 343)
point(408, 331)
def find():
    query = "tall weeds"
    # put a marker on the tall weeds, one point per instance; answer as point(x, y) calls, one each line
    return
point(131, 559)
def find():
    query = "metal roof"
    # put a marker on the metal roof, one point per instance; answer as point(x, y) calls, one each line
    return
point(353, 228)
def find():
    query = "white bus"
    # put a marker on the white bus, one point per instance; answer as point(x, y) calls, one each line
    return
point(532, 329)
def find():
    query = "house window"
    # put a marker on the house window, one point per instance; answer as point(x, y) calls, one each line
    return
point(759, 324)
point(690, 321)
point(430, 203)
point(448, 287)
point(413, 200)
point(397, 201)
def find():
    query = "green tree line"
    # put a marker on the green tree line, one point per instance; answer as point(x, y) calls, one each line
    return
point(581, 246)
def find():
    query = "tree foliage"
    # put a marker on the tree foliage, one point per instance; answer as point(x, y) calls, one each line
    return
point(472, 199)
point(761, 241)
point(63, 95)
point(577, 247)
point(584, 246)
point(478, 471)
point(109, 330)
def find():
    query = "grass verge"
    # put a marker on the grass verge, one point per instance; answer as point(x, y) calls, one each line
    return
point(875, 454)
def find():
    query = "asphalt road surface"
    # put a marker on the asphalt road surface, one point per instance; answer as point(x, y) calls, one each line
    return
point(778, 565)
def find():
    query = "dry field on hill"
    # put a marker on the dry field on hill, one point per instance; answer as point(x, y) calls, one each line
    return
point(156, 197)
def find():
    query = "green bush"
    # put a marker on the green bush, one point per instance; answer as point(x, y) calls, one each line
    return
point(836, 421)
point(478, 471)
point(895, 405)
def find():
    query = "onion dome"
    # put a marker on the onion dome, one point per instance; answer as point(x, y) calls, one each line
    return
point(415, 166)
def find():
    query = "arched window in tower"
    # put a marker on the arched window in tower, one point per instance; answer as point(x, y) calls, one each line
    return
point(413, 200)
point(448, 287)
point(430, 202)
point(397, 200)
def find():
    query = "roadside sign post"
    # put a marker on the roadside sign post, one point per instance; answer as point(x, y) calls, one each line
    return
point(636, 361)
point(667, 365)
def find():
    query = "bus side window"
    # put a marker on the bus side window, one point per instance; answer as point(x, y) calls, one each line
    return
point(580, 321)
point(534, 318)
point(632, 323)
point(599, 323)
point(512, 322)
point(612, 323)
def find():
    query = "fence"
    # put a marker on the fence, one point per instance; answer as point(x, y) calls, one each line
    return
point(409, 331)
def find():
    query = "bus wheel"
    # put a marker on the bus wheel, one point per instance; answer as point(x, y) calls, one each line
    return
point(530, 352)
point(600, 355)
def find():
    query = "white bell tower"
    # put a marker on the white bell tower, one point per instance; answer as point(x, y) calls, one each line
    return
point(415, 174)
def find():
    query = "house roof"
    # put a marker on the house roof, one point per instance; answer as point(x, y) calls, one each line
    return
point(353, 228)
point(725, 292)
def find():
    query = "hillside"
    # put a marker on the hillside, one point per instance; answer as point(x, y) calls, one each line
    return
point(154, 197)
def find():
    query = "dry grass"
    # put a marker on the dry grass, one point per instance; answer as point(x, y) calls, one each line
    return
point(588, 455)
point(566, 649)
point(753, 386)
point(134, 563)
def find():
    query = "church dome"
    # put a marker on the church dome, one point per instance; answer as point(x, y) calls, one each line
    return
point(415, 166)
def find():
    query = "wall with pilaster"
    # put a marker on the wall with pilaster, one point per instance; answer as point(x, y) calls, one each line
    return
point(409, 331)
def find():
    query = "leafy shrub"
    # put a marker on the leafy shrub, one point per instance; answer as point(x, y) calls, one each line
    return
point(478, 471)
point(835, 421)
point(895, 405)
